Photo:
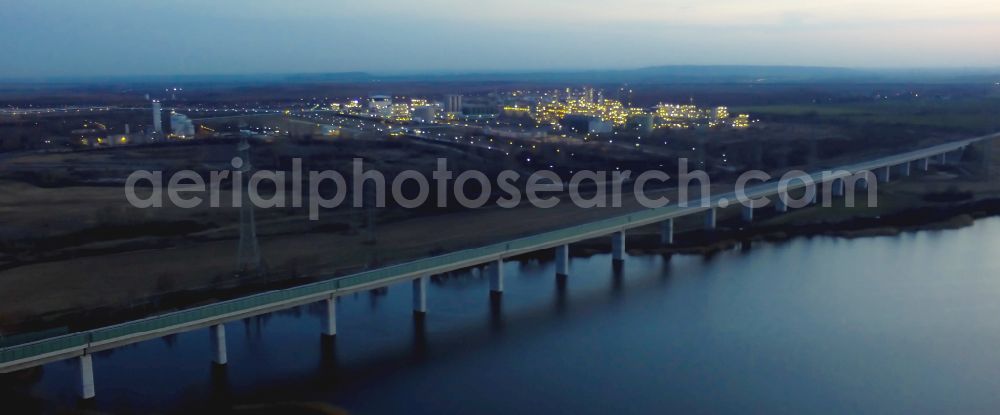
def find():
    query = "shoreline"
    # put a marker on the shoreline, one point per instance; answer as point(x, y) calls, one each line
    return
point(730, 234)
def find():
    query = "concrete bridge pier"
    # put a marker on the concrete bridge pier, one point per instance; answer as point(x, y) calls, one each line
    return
point(667, 232)
point(218, 336)
point(837, 187)
point(780, 205)
point(495, 269)
point(618, 246)
point(330, 319)
point(925, 164)
point(420, 296)
point(943, 158)
point(747, 212)
point(562, 260)
point(904, 169)
point(86, 377)
point(710, 219)
point(882, 174)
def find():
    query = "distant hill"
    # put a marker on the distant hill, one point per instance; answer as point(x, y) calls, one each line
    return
point(648, 75)
point(723, 74)
point(673, 74)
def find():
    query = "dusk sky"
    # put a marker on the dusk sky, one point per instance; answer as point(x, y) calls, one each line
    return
point(48, 38)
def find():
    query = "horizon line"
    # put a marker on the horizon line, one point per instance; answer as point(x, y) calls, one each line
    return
point(860, 70)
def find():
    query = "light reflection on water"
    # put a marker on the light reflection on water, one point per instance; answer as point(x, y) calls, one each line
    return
point(889, 324)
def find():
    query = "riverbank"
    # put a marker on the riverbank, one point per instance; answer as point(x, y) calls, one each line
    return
point(924, 218)
point(810, 313)
point(80, 292)
point(901, 209)
point(731, 233)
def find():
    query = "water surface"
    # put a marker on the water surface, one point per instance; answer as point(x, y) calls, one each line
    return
point(905, 324)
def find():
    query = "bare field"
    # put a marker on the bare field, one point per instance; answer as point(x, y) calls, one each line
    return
point(118, 271)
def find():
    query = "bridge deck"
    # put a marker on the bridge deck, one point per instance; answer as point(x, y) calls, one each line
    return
point(61, 347)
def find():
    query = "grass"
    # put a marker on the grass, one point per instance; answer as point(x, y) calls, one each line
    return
point(959, 115)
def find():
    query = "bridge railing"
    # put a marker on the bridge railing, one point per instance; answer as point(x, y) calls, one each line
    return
point(43, 347)
point(215, 310)
point(244, 304)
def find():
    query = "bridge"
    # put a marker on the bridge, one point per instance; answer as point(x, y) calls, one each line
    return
point(82, 345)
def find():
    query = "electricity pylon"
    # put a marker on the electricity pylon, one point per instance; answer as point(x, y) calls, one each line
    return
point(249, 250)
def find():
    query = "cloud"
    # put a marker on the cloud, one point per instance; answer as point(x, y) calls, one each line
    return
point(100, 37)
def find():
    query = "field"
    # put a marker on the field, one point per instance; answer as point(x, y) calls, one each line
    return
point(965, 115)
point(72, 247)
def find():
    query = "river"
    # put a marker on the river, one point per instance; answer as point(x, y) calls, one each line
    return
point(904, 324)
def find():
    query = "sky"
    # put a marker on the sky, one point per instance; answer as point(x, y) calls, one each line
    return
point(70, 38)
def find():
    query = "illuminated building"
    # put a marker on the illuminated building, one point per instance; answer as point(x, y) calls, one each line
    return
point(555, 106)
point(606, 110)
point(517, 110)
point(671, 112)
point(741, 121)
point(585, 110)
point(721, 113)
point(400, 112)
point(380, 105)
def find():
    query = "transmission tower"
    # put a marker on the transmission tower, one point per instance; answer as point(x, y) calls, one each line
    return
point(249, 251)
